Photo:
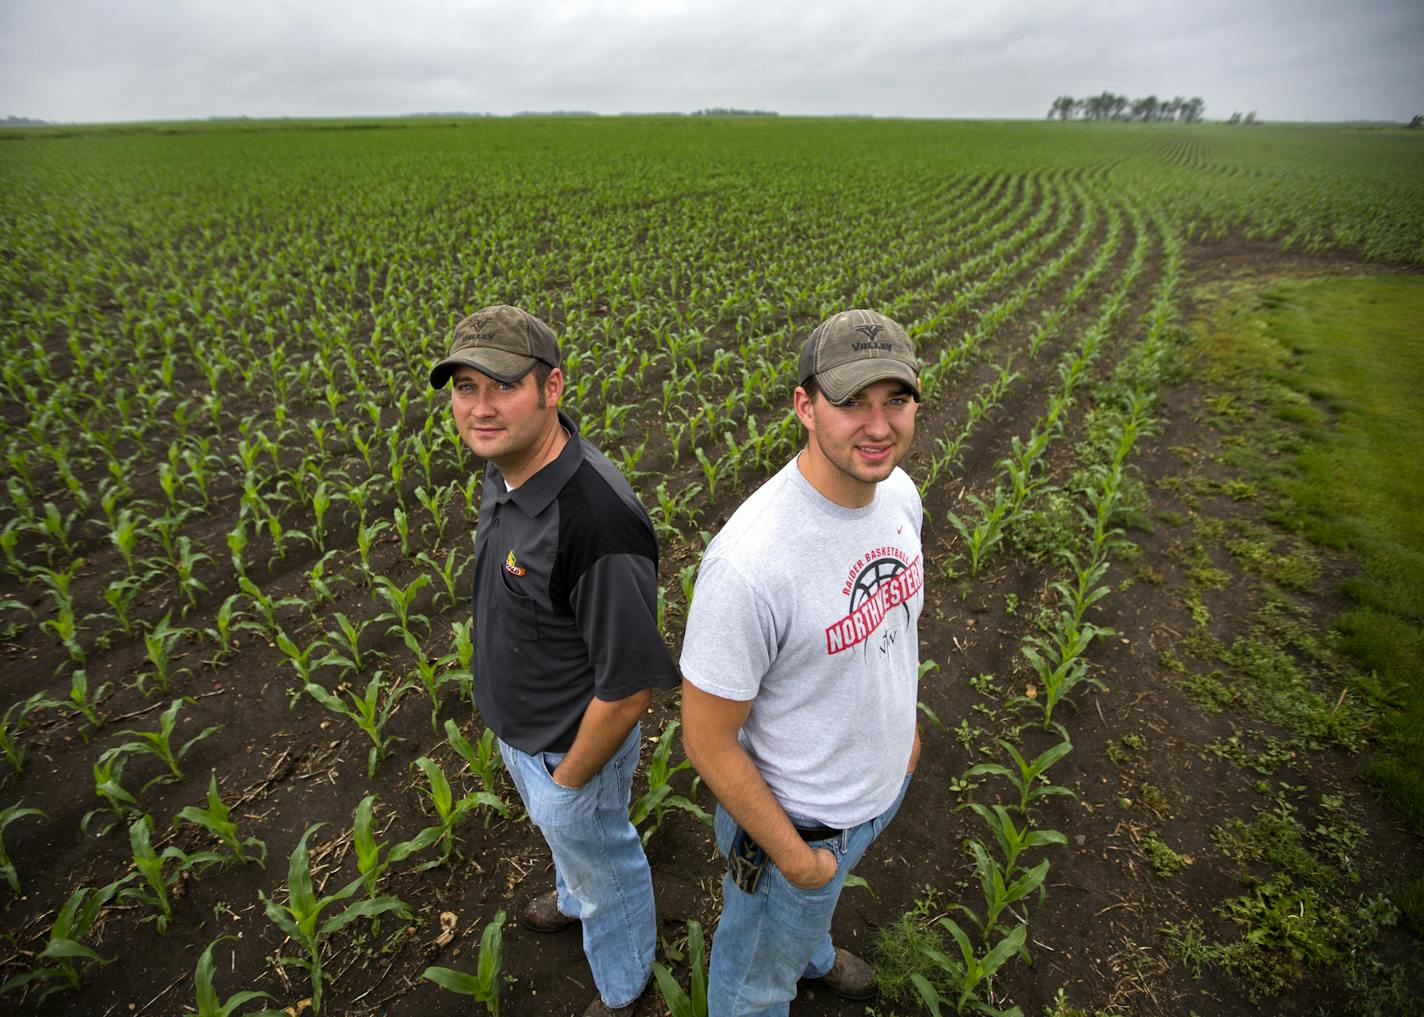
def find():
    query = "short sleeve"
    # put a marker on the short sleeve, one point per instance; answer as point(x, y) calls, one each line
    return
point(730, 641)
point(615, 607)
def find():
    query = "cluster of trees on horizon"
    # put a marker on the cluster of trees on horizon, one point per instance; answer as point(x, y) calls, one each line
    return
point(1110, 106)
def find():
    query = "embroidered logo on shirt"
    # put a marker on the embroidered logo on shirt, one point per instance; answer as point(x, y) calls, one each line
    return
point(880, 582)
point(513, 567)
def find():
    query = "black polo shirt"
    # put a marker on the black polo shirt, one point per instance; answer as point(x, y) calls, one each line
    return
point(565, 598)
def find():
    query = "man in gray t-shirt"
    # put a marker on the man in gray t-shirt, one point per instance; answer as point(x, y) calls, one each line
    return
point(800, 664)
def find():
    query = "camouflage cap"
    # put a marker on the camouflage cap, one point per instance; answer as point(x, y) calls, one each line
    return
point(853, 349)
point(500, 341)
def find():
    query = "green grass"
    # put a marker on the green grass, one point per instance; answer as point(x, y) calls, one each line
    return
point(1340, 361)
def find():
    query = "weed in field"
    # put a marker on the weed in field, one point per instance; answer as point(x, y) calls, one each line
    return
point(1164, 861)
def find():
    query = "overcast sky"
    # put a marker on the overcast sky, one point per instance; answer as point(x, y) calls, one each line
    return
point(105, 60)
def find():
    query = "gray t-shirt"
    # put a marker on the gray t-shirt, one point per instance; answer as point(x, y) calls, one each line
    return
point(811, 610)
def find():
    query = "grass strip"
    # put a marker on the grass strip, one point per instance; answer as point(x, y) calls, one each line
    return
point(1337, 364)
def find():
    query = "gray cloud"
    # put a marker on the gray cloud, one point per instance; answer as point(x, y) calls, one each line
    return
point(83, 60)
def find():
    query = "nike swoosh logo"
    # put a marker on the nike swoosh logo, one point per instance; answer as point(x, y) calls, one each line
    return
point(899, 529)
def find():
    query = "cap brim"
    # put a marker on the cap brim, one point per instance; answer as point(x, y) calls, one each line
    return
point(498, 364)
point(839, 384)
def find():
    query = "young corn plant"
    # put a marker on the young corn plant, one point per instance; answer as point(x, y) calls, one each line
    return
point(402, 603)
point(108, 771)
point(482, 758)
point(85, 703)
point(65, 953)
point(301, 916)
point(7, 867)
point(207, 1002)
point(449, 811)
point(157, 886)
point(160, 642)
point(448, 574)
point(13, 722)
point(692, 1003)
point(217, 820)
point(160, 743)
point(483, 985)
point(267, 607)
point(654, 803)
point(345, 644)
point(969, 972)
point(1059, 663)
point(368, 712)
point(1026, 777)
point(225, 625)
point(986, 533)
point(373, 857)
point(433, 674)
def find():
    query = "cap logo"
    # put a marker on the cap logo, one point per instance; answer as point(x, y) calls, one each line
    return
point(870, 331)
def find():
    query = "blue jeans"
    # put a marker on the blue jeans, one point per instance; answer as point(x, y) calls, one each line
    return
point(601, 873)
point(767, 940)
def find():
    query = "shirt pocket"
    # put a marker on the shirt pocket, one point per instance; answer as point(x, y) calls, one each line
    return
point(520, 611)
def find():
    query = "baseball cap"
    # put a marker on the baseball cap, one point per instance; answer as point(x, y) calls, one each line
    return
point(501, 341)
point(853, 349)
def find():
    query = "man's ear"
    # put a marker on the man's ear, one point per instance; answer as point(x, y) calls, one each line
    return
point(554, 387)
point(801, 401)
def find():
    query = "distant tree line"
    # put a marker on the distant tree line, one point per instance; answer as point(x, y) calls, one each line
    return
point(728, 111)
point(1109, 106)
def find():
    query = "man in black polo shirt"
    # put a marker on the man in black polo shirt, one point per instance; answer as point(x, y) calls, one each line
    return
point(567, 645)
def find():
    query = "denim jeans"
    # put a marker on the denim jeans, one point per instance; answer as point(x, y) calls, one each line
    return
point(767, 940)
point(600, 871)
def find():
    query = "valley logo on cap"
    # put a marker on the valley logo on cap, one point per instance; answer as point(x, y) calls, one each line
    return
point(853, 349)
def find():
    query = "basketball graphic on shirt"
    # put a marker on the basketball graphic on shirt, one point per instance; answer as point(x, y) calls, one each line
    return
point(881, 585)
point(871, 577)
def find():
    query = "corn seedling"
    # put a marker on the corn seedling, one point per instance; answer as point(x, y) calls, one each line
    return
point(1026, 777)
point(345, 644)
point(483, 985)
point(482, 758)
point(160, 743)
point(108, 772)
point(369, 850)
point(66, 953)
point(449, 811)
point(317, 580)
point(216, 819)
point(433, 673)
point(120, 595)
point(155, 890)
point(692, 1003)
point(267, 607)
point(225, 625)
point(159, 643)
point(207, 1003)
point(402, 601)
point(13, 722)
point(463, 652)
point(300, 917)
point(368, 712)
point(968, 972)
point(655, 802)
point(83, 701)
point(447, 573)
point(7, 867)
point(300, 657)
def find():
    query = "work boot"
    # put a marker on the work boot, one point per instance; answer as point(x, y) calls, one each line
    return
point(599, 1009)
point(850, 977)
point(542, 914)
